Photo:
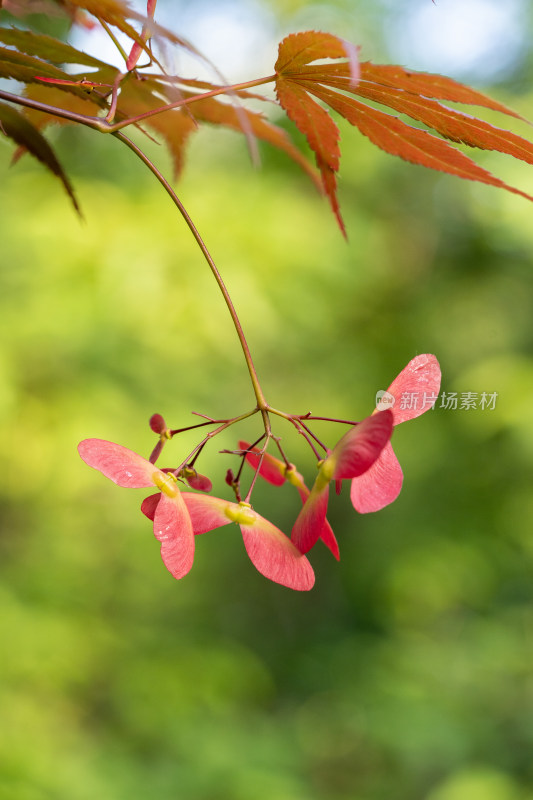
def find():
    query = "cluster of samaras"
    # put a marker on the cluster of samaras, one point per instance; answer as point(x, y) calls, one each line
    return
point(364, 456)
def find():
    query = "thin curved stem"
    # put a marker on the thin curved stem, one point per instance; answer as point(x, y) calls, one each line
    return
point(56, 111)
point(330, 419)
point(310, 432)
point(113, 38)
point(194, 452)
point(175, 431)
point(302, 429)
point(261, 402)
point(267, 436)
point(113, 127)
point(104, 125)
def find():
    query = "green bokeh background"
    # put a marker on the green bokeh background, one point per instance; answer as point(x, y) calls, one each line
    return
point(407, 672)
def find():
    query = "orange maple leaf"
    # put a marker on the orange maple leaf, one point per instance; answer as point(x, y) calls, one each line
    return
point(413, 94)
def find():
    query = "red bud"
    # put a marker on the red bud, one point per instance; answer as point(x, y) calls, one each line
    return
point(199, 482)
point(157, 423)
point(230, 477)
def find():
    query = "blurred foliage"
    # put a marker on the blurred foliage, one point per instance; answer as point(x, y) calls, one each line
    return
point(407, 672)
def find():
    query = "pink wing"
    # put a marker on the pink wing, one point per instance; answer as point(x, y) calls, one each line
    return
point(122, 466)
point(361, 446)
point(326, 534)
point(149, 505)
point(206, 512)
point(274, 556)
point(271, 552)
point(310, 521)
point(418, 384)
point(173, 528)
point(378, 486)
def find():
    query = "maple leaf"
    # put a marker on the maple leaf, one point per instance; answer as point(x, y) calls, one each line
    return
point(114, 12)
point(416, 95)
point(17, 127)
point(307, 91)
point(177, 124)
point(47, 8)
point(314, 122)
point(46, 47)
point(215, 112)
point(22, 67)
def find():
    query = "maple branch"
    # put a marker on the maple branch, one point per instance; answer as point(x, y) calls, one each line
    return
point(105, 126)
point(302, 429)
point(307, 438)
point(56, 111)
point(261, 402)
point(236, 87)
point(114, 96)
point(310, 432)
point(281, 452)
point(330, 419)
point(196, 450)
point(175, 431)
